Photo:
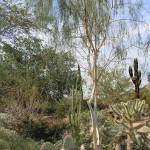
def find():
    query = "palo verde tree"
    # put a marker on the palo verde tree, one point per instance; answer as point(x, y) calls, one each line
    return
point(99, 27)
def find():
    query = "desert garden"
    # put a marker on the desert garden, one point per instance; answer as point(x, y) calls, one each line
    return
point(74, 75)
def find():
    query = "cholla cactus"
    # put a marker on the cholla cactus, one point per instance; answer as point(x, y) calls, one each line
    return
point(68, 143)
point(136, 79)
point(47, 146)
point(129, 113)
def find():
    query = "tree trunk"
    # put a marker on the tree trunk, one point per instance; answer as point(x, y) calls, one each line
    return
point(129, 143)
point(95, 130)
point(137, 95)
point(95, 104)
point(129, 139)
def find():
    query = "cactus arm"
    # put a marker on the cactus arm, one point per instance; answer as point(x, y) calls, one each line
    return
point(127, 112)
point(125, 125)
point(138, 139)
point(130, 72)
point(125, 133)
point(135, 66)
point(140, 109)
point(139, 77)
point(113, 109)
point(126, 117)
point(140, 125)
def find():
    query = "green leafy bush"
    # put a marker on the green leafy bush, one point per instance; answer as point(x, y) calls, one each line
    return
point(59, 107)
point(10, 140)
point(48, 128)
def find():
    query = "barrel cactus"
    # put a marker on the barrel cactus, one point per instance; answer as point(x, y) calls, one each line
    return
point(47, 146)
point(58, 145)
point(68, 143)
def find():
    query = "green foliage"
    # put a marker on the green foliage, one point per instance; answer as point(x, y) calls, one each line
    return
point(9, 139)
point(52, 73)
point(145, 95)
point(39, 127)
point(59, 76)
point(59, 107)
point(15, 19)
point(27, 62)
point(114, 87)
point(136, 147)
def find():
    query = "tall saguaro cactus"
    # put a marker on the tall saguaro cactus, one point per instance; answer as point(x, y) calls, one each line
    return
point(136, 79)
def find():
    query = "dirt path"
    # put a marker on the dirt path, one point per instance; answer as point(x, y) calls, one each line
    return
point(144, 128)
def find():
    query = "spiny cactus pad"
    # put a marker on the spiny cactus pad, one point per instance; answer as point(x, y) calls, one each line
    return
point(68, 143)
point(58, 145)
point(47, 146)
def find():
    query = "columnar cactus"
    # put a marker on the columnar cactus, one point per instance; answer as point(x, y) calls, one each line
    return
point(75, 112)
point(136, 79)
point(68, 143)
point(47, 146)
point(129, 113)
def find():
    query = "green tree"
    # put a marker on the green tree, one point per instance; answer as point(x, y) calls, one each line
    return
point(49, 70)
point(114, 87)
point(27, 61)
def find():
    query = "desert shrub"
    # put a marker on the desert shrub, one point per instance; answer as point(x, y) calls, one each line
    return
point(50, 108)
point(48, 128)
point(61, 108)
point(16, 108)
point(145, 95)
point(9, 139)
point(135, 146)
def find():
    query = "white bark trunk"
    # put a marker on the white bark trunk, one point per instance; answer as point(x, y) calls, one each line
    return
point(95, 129)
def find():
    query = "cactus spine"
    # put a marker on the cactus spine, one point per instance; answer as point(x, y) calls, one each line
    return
point(47, 146)
point(136, 79)
point(129, 113)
